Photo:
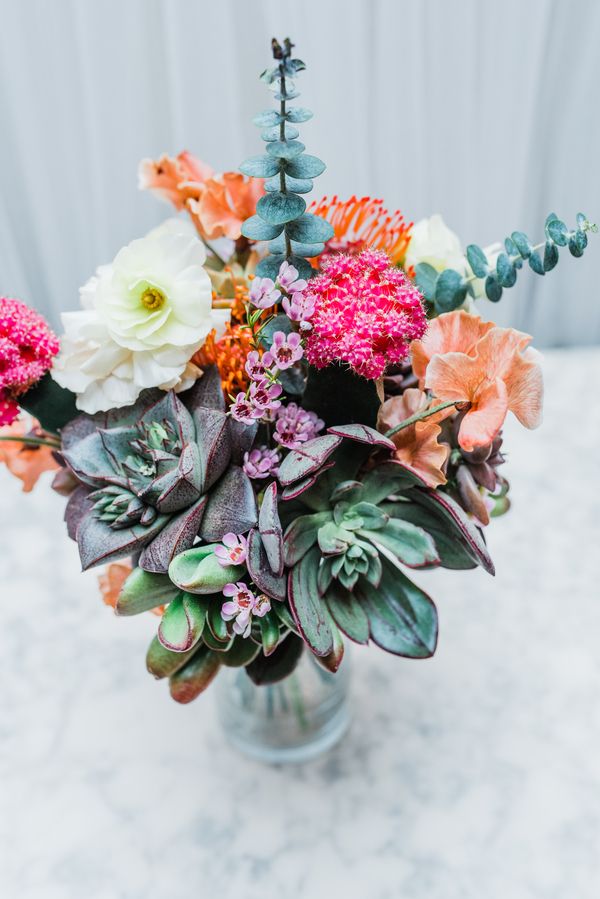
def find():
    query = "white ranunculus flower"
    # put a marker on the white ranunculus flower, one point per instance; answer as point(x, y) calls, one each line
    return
point(143, 318)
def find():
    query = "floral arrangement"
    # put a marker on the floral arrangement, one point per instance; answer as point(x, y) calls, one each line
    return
point(267, 413)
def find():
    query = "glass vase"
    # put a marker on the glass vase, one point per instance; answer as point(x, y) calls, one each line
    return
point(293, 720)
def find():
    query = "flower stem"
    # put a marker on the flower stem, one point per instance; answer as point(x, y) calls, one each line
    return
point(419, 416)
point(32, 441)
point(282, 186)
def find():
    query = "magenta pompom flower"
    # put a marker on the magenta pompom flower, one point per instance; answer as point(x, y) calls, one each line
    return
point(27, 347)
point(233, 551)
point(286, 349)
point(367, 312)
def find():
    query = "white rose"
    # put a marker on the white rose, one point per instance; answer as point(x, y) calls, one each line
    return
point(144, 316)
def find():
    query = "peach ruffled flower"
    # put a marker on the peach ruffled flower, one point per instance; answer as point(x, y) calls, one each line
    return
point(26, 462)
point(493, 369)
point(417, 446)
point(218, 204)
point(111, 583)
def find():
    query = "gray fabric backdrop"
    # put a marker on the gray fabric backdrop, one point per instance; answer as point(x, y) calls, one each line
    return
point(485, 112)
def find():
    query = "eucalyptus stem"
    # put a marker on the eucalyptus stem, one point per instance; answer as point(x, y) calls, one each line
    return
point(282, 184)
point(31, 441)
point(513, 259)
point(419, 416)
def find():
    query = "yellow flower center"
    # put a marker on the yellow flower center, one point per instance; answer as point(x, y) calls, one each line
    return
point(152, 298)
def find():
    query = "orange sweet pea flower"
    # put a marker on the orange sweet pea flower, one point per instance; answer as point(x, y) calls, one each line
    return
point(417, 446)
point(26, 462)
point(176, 180)
point(491, 368)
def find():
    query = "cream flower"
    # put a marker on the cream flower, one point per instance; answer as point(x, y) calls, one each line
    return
point(143, 318)
point(433, 242)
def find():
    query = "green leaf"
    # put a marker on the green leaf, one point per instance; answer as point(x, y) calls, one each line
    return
point(451, 551)
point(408, 543)
point(274, 133)
point(477, 260)
point(51, 404)
point(143, 591)
point(457, 523)
point(298, 114)
point(577, 243)
point(535, 263)
point(260, 166)
point(269, 670)
point(362, 434)
point(182, 623)
point(285, 616)
point(426, 278)
point(306, 606)
point(278, 208)
point(371, 515)
point(255, 228)
point(296, 185)
point(216, 623)
point(278, 323)
point(450, 291)
point(307, 459)
point(162, 662)
point(348, 614)
point(557, 231)
point(218, 646)
point(493, 291)
point(298, 249)
point(506, 271)
point(522, 243)
point(301, 535)
point(402, 618)
point(270, 529)
point(285, 149)
point(269, 630)
point(260, 570)
point(191, 680)
point(333, 539)
point(198, 570)
point(333, 660)
point(310, 228)
point(305, 166)
point(266, 118)
point(241, 653)
point(550, 255)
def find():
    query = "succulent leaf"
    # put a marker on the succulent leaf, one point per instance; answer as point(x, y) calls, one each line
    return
point(260, 570)
point(301, 535)
point(459, 524)
point(348, 614)
point(300, 463)
point(162, 662)
point(279, 665)
point(231, 506)
point(182, 623)
point(143, 591)
point(195, 676)
point(270, 529)
point(178, 535)
point(306, 607)
point(408, 543)
point(197, 570)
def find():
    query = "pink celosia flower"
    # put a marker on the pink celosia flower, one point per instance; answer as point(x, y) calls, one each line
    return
point(263, 293)
point(366, 314)
point(261, 462)
point(242, 605)
point(294, 426)
point(263, 397)
point(286, 349)
point(27, 346)
point(300, 307)
point(258, 366)
point(233, 551)
point(288, 278)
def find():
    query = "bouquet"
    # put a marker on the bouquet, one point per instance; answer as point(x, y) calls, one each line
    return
point(267, 413)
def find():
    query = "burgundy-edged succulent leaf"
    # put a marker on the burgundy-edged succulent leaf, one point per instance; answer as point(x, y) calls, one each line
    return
point(260, 570)
point(182, 623)
point(348, 613)
point(402, 541)
point(242, 437)
point(269, 631)
point(279, 665)
point(300, 463)
point(306, 607)
point(191, 680)
point(402, 618)
point(398, 475)
point(231, 506)
point(462, 527)
point(362, 434)
point(175, 538)
point(98, 543)
point(303, 486)
point(332, 661)
point(89, 461)
point(301, 535)
point(116, 443)
point(143, 591)
point(270, 529)
point(170, 408)
point(241, 652)
point(78, 506)
point(216, 623)
point(207, 391)
point(162, 662)
point(197, 570)
point(179, 487)
point(212, 427)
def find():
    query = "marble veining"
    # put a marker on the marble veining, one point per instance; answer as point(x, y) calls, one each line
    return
point(475, 775)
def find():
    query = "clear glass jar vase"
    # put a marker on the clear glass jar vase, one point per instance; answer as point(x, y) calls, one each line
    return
point(293, 720)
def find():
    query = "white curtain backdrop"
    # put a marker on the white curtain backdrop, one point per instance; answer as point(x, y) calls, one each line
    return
point(485, 112)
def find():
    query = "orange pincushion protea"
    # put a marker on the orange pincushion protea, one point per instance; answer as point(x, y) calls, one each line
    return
point(364, 223)
point(229, 354)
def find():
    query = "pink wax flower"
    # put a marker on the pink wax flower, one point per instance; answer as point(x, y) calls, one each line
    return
point(263, 293)
point(299, 307)
point(261, 462)
point(367, 312)
point(243, 410)
point(286, 349)
point(263, 397)
point(288, 278)
point(294, 426)
point(257, 366)
point(27, 347)
point(233, 551)
point(242, 606)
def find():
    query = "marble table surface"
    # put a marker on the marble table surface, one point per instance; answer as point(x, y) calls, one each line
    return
point(474, 775)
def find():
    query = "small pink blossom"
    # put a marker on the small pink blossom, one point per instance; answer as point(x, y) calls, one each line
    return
point(288, 278)
point(286, 349)
point(262, 606)
point(239, 608)
point(262, 462)
point(294, 426)
point(233, 551)
point(242, 409)
point(299, 307)
point(263, 293)
point(263, 397)
point(257, 367)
